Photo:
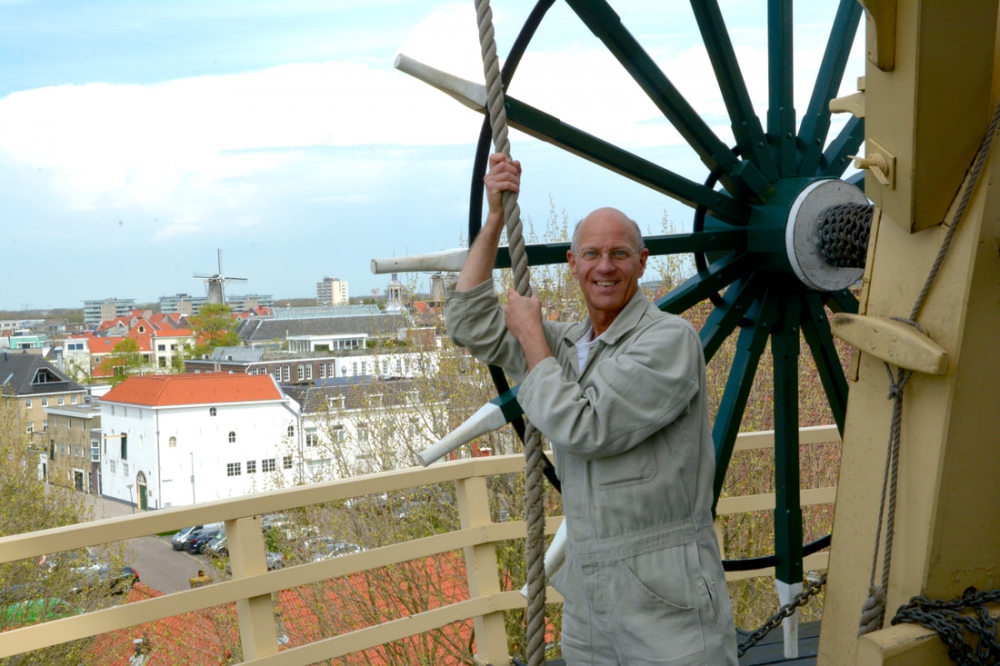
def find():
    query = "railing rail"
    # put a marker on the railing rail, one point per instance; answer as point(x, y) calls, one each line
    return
point(252, 585)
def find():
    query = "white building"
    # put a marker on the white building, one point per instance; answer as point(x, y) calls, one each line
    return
point(332, 291)
point(173, 440)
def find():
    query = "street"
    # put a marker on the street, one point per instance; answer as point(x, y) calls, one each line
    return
point(159, 565)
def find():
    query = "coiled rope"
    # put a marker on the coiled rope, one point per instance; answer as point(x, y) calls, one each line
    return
point(873, 611)
point(534, 509)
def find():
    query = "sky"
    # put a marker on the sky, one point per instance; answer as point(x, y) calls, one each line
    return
point(138, 137)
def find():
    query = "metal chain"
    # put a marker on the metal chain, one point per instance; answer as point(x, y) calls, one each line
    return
point(843, 234)
point(800, 599)
point(946, 619)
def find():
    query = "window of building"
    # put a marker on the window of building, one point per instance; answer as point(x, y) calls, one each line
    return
point(95, 451)
point(301, 372)
point(287, 373)
point(212, 411)
point(232, 437)
point(45, 425)
point(337, 433)
point(27, 403)
point(354, 368)
point(77, 453)
point(161, 348)
point(312, 439)
point(124, 468)
point(291, 431)
point(286, 462)
point(124, 440)
point(267, 465)
point(60, 400)
point(363, 432)
point(62, 449)
point(322, 370)
point(234, 469)
point(111, 466)
point(251, 467)
point(309, 371)
point(172, 443)
point(45, 402)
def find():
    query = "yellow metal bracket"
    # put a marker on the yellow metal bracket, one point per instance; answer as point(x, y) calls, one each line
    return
point(879, 162)
point(892, 341)
point(880, 16)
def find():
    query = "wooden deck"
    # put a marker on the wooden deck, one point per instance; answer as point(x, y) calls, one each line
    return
point(771, 649)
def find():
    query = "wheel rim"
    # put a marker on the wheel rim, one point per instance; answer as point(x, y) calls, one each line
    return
point(743, 267)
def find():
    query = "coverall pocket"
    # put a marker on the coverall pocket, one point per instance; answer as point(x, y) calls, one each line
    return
point(637, 465)
point(657, 606)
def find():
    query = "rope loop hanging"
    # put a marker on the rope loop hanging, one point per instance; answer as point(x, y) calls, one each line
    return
point(534, 456)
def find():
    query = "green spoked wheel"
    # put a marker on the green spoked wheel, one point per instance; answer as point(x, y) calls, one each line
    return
point(755, 216)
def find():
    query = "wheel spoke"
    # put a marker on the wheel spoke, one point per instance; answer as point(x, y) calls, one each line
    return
point(552, 130)
point(836, 158)
point(781, 111)
point(816, 330)
point(699, 241)
point(843, 301)
point(696, 288)
point(816, 121)
point(749, 347)
point(737, 302)
point(738, 177)
point(746, 126)
point(787, 510)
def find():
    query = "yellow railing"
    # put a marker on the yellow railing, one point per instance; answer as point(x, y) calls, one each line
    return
point(252, 585)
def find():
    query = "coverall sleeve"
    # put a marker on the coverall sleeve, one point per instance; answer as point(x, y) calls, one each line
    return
point(475, 320)
point(626, 397)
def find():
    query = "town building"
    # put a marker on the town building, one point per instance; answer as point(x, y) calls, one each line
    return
point(36, 384)
point(183, 304)
point(174, 440)
point(314, 367)
point(94, 312)
point(250, 302)
point(361, 426)
point(332, 291)
point(74, 433)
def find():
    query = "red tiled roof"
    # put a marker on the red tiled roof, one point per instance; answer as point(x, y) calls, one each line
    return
point(193, 389)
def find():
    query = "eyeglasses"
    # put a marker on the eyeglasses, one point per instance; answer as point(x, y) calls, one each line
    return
point(618, 255)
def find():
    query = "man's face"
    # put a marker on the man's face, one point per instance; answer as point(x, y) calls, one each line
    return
point(607, 264)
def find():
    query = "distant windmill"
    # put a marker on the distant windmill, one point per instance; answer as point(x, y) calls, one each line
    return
point(215, 285)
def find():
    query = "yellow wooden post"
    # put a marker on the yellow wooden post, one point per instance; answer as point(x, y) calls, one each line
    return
point(482, 572)
point(246, 550)
point(931, 111)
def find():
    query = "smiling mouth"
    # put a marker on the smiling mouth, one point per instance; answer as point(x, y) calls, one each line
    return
point(605, 283)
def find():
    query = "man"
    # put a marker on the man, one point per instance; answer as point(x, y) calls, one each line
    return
point(621, 398)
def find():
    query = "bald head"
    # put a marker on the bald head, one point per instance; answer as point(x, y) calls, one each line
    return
point(604, 215)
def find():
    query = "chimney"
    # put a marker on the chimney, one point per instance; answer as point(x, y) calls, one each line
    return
point(59, 358)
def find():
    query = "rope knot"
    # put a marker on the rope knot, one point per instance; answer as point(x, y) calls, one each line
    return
point(873, 612)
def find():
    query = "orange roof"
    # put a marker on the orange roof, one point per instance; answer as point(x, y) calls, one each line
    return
point(193, 389)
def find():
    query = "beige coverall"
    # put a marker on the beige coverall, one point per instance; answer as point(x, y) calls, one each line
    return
point(643, 581)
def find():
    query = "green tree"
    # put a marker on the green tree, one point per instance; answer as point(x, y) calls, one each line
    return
point(27, 504)
point(213, 327)
point(125, 360)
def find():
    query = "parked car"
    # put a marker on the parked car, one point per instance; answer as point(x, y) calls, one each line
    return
point(217, 546)
point(181, 537)
point(31, 611)
point(117, 580)
point(325, 548)
point(274, 561)
point(197, 539)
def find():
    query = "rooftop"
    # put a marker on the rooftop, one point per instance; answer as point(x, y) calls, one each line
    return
point(210, 388)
